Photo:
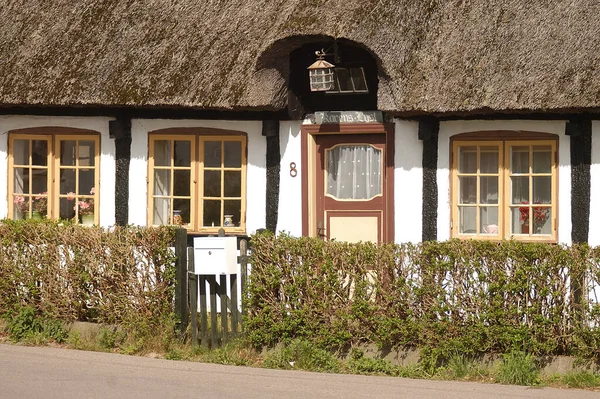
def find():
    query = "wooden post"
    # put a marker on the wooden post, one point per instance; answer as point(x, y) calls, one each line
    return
point(223, 298)
point(193, 294)
point(243, 261)
point(214, 328)
point(203, 312)
point(234, 304)
point(181, 300)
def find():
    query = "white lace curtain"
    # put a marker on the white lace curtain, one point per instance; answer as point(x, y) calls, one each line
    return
point(354, 172)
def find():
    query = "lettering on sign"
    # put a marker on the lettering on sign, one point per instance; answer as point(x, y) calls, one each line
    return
point(338, 117)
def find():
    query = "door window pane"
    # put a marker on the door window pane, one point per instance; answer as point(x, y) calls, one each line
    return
point(467, 190)
point(183, 153)
point(353, 172)
point(212, 183)
point(181, 183)
point(233, 184)
point(181, 208)
point(21, 181)
point(161, 212)
point(162, 182)
point(86, 181)
point(233, 209)
point(519, 190)
point(542, 159)
point(542, 189)
point(67, 181)
point(67, 152)
point(488, 190)
point(39, 183)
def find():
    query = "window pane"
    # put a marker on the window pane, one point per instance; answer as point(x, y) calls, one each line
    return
point(39, 183)
point(519, 160)
point(39, 156)
point(542, 159)
point(161, 212)
point(541, 220)
point(39, 203)
point(67, 152)
point(467, 159)
point(488, 162)
point(212, 213)
point(183, 153)
point(86, 153)
point(519, 190)
point(233, 184)
point(181, 207)
point(488, 218)
point(162, 182)
point(21, 152)
point(542, 189)
point(354, 172)
point(233, 154)
point(86, 181)
point(343, 78)
point(488, 190)
point(467, 190)
point(67, 181)
point(358, 78)
point(21, 181)
point(212, 183)
point(233, 209)
point(519, 220)
point(181, 183)
point(212, 154)
point(162, 153)
point(467, 219)
point(20, 207)
point(66, 208)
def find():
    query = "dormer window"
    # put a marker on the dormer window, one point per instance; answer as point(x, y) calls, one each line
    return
point(349, 80)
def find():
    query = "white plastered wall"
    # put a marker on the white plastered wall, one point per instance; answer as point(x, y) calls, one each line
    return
point(450, 128)
point(107, 156)
point(289, 218)
point(408, 182)
point(256, 178)
point(594, 233)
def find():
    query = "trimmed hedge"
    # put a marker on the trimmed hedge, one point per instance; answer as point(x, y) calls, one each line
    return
point(124, 275)
point(471, 296)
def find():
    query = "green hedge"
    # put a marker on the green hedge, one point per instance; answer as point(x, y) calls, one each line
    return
point(124, 275)
point(471, 296)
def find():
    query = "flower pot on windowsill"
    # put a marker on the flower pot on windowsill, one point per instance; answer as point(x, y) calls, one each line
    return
point(87, 220)
point(525, 229)
point(35, 215)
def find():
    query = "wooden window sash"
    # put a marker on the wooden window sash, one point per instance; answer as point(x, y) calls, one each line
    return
point(504, 199)
point(77, 167)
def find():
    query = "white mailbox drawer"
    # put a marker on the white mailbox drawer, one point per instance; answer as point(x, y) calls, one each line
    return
point(215, 255)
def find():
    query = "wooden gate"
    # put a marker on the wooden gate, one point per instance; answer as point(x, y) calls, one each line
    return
point(211, 327)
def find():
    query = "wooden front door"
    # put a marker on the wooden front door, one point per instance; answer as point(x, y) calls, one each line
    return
point(352, 189)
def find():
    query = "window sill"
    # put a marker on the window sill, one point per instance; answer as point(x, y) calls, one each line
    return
point(520, 238)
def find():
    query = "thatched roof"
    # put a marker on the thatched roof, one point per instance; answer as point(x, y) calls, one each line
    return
point(435, 56)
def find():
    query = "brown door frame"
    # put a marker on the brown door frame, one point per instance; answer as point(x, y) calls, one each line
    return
point(308, 166)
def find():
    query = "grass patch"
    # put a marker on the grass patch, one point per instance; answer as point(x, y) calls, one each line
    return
point(518, 368)
point(581, 379)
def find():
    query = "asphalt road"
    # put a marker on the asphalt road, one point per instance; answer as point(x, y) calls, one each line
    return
point(28, 372)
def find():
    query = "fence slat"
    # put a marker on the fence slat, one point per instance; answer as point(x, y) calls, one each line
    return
point(203, 311)
point(214, 328)
point(234, 304)
point(181, 297)
point(223, 297)
point(193, 296)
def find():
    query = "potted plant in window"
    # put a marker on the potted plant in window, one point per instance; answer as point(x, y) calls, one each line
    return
point(21, 206)
point(39, 206)
point(85, 209)
point(540, 215)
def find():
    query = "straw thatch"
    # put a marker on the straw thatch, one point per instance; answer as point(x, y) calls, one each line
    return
point(436, 56)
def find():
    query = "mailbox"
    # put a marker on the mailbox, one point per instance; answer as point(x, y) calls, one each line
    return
point(215, 255)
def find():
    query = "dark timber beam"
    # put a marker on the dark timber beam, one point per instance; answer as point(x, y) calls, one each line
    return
point(271, 131)
point(120, 131)
point(428, 132)
point(580, 131)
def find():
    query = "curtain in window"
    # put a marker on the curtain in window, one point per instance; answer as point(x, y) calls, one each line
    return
point(354, 172)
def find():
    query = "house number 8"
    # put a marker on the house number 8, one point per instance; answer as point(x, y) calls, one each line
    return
point(293, 170)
